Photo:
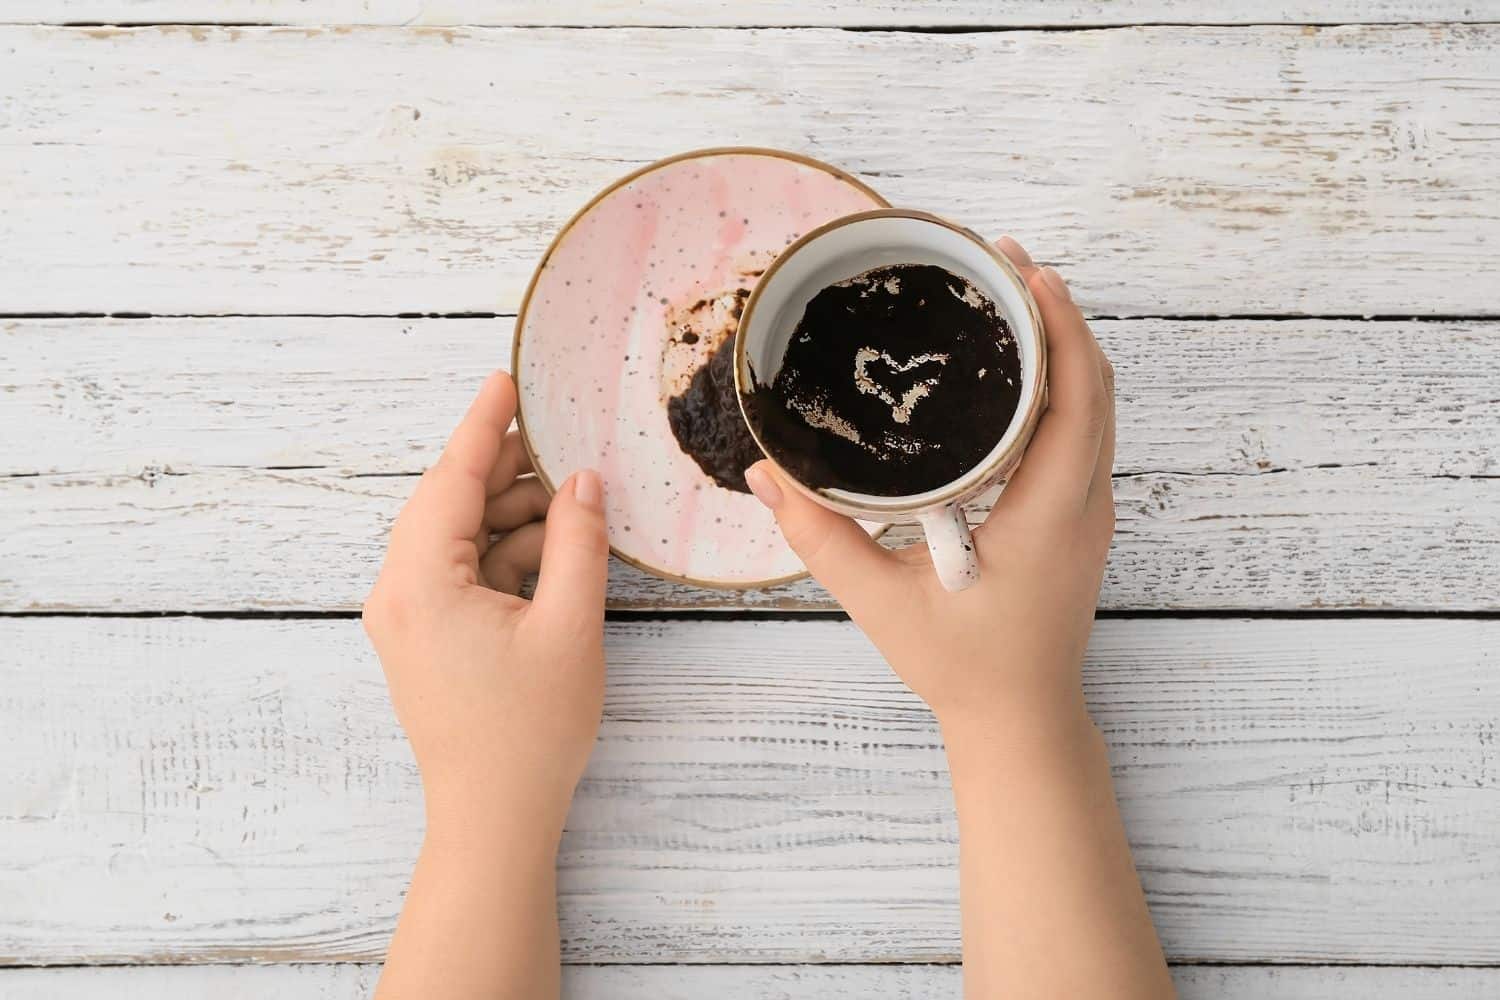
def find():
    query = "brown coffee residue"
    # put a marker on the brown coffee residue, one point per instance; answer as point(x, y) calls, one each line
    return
point(703, 409)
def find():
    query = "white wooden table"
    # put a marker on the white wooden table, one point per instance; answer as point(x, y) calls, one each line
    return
point(251, 270)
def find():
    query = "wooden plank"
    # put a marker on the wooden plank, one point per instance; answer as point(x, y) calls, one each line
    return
point(833, 13)
point(229, 540)
point(184, 790)
point(1346, 170)
point(158, 444)
point(374, 395)
point(264, 540)
point(1323, 982)
point(732, 982)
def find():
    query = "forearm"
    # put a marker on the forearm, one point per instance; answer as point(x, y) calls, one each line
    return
point(480, 918)
point(1050, 899)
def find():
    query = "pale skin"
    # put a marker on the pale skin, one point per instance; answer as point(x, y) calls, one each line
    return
point(501, 698)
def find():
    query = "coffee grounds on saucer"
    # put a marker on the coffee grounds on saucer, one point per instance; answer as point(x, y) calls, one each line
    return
point(707, 423)
point(896, 381)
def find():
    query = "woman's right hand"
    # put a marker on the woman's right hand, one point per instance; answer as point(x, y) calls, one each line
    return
point(1051, 902)
point(1008, 649)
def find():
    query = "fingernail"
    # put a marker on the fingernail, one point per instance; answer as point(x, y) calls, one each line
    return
point(1055, 282)
point(587, 489)
point(763, 486)
point(1014, 251)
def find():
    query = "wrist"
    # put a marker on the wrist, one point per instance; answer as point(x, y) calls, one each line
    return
point(1029, 732)
point(476, 815)
point(497, 862)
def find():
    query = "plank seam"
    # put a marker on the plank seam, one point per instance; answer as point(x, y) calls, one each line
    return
point(909, 29)
point(152, 472)
point(1071, 29)
point(1100, 317)
point(636, 615)
point(1174, 963)
point(242, 315)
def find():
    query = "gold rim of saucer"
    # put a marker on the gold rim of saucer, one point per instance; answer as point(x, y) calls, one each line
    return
point(1000, 465)
point(520, 326)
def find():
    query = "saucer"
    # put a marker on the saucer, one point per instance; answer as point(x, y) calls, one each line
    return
point(634, 294)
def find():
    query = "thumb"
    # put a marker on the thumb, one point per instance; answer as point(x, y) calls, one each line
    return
point(840, 555)
point(575, 556)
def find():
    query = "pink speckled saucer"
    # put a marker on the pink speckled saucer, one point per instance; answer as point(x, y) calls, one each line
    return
point(599, 346)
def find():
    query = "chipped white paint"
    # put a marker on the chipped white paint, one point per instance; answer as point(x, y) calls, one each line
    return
point(137, 428)
point(206, 791)
point(210, 791)
point(1346, 170)
point(228, 539)
point(950, 13)
point(732, 982)
point(155, 437)
point(381, 395)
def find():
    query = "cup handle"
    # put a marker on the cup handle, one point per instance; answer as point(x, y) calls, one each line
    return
point(952, 547)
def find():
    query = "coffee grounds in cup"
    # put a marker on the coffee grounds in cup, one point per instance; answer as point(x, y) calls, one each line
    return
point(895, 382)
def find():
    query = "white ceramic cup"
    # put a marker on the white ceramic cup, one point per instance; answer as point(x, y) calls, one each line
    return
point(850, 246)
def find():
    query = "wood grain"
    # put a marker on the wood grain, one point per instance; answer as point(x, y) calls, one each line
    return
point(222, 464)
point(950, 13)
point(374, 395)
point(229, 539)
point(732, 982)
point(1346, 170)
point(221, 791)
point(184, 790)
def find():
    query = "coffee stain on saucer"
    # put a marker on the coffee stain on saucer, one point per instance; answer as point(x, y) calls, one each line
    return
point(698, 391)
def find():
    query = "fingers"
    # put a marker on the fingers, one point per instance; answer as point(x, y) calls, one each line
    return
point(445, 513)
point(1058, 470)
point(523, 503)
point(1099, 508)
point(513, 558)
point(1017, 255)
point(840, 554)
point(1101, 485)
point(575, 558)
point(474, 450)
point(1104, 467)
point(513, 461)
point(526, 500)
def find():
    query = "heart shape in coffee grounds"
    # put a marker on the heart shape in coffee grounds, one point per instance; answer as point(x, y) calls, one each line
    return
point(878, 374)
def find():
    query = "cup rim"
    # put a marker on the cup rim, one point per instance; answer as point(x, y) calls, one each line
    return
point(957, 489)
